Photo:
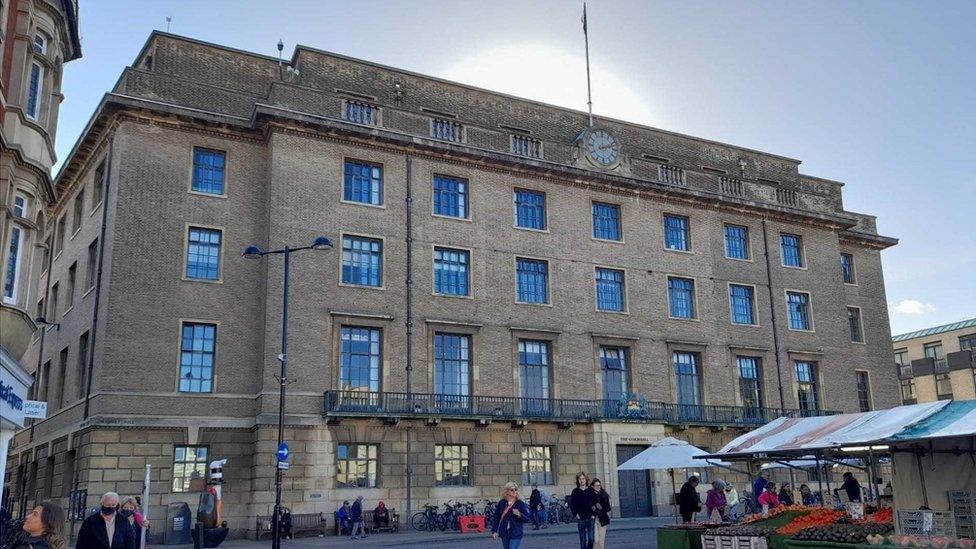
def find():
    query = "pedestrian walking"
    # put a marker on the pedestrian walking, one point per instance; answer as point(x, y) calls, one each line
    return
point(601, 513)
point(786, 494)
point(715, 501)
point(510, 515)
point(129, 509)
point(689, 502)
point(356, 518)
point(580, 506)
point(42, 528)
point(535, 503)
point(104, 530)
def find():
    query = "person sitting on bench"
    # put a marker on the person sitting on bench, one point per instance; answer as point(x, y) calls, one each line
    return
point(381, 516)
point(342, 518)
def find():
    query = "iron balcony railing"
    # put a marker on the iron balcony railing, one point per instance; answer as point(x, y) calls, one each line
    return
point(422, 405)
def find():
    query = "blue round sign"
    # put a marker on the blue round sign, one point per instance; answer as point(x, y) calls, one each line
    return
point(283, 452)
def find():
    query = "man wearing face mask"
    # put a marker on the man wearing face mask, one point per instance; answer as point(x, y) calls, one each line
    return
point(105, 529)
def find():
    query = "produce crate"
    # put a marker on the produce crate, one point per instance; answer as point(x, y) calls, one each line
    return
point(913, 522)
point(710, 541)
point(963, 504)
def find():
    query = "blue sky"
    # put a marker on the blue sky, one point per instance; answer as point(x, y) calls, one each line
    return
point(878, 94)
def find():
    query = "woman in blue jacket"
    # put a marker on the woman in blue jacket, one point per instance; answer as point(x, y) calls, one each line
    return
point(510, 514)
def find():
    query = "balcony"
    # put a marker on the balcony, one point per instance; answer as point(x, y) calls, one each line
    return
point(347, 404)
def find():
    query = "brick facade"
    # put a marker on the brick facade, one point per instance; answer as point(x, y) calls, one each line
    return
point(285, 144)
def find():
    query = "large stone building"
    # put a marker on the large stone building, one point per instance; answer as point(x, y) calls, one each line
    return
point(36, 38)
point(937, 363)
point(512, 294)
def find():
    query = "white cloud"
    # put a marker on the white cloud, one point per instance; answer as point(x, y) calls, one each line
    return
point(912, 307)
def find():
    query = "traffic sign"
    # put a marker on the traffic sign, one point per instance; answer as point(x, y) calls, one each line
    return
point(283, 452)
point(284, 465)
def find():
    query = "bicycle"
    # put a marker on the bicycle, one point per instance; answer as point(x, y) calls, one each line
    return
point(426, 520)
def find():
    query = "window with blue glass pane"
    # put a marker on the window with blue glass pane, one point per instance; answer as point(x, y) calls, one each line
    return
point(742, 300)
point(676, 233)
point(534, 365)
point(197, 348)
point(847, 267)
point(34, 91)
point(792, 250)
point(450, 196)
point(451, 272)
point(613, 363)
point(681, 297)
point(203, 254)
point(799, 304)
point(530, 209)
point(532, 280)
point(686, 378)
point(362, 261)
point(360, 355)
point(452, 365)
point(609, 290)
point(606, 221)
point(208, 171)
point(363, 183)
point(737, 242)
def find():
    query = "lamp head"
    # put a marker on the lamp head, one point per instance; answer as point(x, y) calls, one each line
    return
point(322, 243)
point(252, 252)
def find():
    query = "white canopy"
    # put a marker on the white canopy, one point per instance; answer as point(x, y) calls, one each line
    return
point(669, 453)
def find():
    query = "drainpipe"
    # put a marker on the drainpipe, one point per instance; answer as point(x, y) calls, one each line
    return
point(772, 312)
point(98, 276)
point(409, 323)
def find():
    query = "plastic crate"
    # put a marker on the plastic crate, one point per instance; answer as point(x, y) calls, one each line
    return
point(963, 504)
point(913, 523)
point(712, 541)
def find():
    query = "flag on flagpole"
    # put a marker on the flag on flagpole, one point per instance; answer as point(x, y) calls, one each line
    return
point(584, 17)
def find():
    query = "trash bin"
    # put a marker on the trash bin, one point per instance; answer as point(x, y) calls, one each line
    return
point(178, 525)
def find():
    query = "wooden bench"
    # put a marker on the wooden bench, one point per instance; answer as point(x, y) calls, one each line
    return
point(313, 523)
point(393, 526)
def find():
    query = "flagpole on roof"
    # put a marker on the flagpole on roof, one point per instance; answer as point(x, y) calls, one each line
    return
point(586, 41)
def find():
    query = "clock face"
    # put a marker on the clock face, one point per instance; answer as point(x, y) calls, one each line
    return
point(601, 148)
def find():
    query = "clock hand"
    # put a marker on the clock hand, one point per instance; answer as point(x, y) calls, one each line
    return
point(605, 147)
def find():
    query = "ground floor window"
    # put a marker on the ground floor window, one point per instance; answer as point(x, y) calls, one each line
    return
point(451, 465)
point(189, 463)
point(537, 465)
point(357, 465)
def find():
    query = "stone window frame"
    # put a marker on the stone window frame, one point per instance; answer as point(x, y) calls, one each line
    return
point(77, 212)
point(205, 463)
point(854, 277)
point(192, 151)
point(620, 221)
point(467, 476)
point(696, 311)
point(703, 351)
point(688, 233)
point(817, 360)
point(801, 251)
point(748, 236)
point(378, 461)
point(99, 177)
point(868, 390)
point(39, 100)
point(860, 324)
point(342, 236)
point(628, 344)
point(549, 280)
point(545, 208)
point(535, 334)
point(472, 331)
point(179, 355)
point(186, 250)
point(755, 305)
point(789, 326)
point(467, 197)
point(624, 290)
point(433, 271)
point(549, 459)
point(342, 182)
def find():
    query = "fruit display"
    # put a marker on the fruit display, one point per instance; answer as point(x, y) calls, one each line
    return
point(843, 533)
point(773, 512)
point(745, 530)
point(885, 515)
point(817, 517)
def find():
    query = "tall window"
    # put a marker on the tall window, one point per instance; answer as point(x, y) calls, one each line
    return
point(750, 385)
point(189, 463)
point(197, 350)
point(357, 465)
point(203, 254)
point(451, 272)
point(606, 221)
point(967, 342)
point(742, 299)
point(98, 184)
point(77, 211)
point(45, 382)
point(452, 365)
point(847, 267)
point(363, 183)
point(362, 261)
point(451, 465)
point(451, 196)
point(530, 209)
point(686, 376)
point(676, 233)
point(863, 391)
point(70, 290)
point(613, 364)
point(53, 304)
point(681, 297)
point(808, 395)
point(59, 236)
point(531, 280)
point(34, 91)
point(537, 466)
point(610, 290)
point(40, 43)
point(12, 272)
point(58, 400)
point(359, 359)
point(901, 357)
point(20, 205)
point(908, 391)
point(792, 246)
point(854, 323)
point(208, 171)
point(361, 113)
point(81, 375)
point(737, 242)
point(799, 306)
point(534, 368)
point(943, 386)
point(92, 266)
point(934, 351)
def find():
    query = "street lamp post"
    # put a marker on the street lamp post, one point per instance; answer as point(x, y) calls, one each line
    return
point(254, 252)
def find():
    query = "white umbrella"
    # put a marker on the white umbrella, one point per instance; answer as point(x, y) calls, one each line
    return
point(669, 453)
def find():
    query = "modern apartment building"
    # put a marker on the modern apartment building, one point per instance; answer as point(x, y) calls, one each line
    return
point(37, 37)
point(937, 363)
point(512, 293)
